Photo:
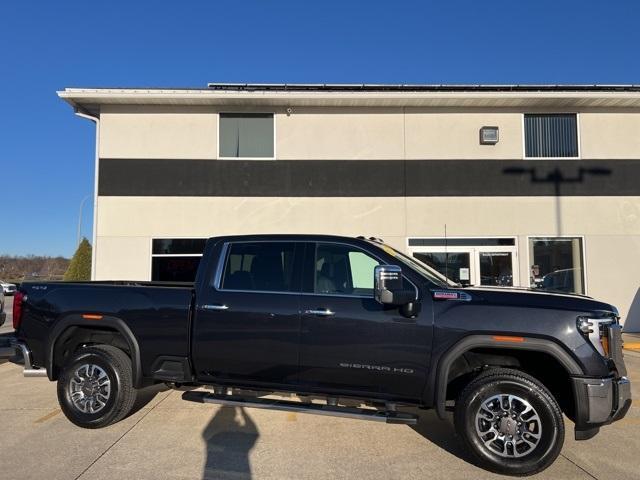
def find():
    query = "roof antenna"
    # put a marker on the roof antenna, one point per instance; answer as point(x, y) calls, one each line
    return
point(446, 254)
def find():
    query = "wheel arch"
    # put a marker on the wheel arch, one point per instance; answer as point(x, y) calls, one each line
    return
point(532, 344)
point(105, 324)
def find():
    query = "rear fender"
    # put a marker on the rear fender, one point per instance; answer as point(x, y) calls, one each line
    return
point(106, 322)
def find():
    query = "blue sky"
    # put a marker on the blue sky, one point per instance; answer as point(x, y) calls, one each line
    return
point(46, 153)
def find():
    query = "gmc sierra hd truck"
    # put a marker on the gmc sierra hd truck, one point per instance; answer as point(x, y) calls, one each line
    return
point(348, 320)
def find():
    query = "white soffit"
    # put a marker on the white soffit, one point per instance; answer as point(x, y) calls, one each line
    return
point(91, 99)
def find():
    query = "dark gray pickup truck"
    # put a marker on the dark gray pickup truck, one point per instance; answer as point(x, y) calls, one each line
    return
point(344, 319)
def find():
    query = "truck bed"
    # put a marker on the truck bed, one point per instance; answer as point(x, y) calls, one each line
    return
point(156, 314)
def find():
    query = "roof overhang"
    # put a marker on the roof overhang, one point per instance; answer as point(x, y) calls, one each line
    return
point(308, 95)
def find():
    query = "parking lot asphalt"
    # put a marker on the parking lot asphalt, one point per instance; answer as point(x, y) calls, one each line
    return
point(168, 438)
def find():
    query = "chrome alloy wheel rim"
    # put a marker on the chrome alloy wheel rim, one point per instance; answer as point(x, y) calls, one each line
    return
point(90, 388)
point(508, 426)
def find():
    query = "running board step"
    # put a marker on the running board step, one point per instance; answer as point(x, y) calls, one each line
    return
point(314, 408)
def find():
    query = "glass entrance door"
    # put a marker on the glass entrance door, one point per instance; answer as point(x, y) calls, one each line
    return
point(496, 268)
point(470, 261)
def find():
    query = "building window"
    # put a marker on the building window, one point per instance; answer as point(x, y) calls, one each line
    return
point(176, 259)
point(246, 135)
point(260, 266)
point(470, 261)
point(557, 264)
point(551, 135)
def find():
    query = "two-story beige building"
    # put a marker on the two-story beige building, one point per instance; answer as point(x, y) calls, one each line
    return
point(491, 185)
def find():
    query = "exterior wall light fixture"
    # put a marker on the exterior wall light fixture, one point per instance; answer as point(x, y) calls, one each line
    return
point(489, 135)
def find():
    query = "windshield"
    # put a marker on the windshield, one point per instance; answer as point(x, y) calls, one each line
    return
point(424, 270)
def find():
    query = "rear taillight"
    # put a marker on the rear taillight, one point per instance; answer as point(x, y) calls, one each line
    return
point(18, 298)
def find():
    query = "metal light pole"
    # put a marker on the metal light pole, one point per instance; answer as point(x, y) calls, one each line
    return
point(80, 218)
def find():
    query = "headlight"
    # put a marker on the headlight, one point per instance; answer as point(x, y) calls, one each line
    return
point(596, 329)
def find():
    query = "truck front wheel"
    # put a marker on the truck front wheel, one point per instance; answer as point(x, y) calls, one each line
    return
point(95, 388)
point(509, 422)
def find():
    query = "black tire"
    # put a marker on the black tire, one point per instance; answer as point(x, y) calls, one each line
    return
point(121, 398)
point(500, 381)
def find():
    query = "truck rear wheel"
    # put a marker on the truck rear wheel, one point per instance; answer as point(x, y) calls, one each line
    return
point(509, 422)
point(95, 388)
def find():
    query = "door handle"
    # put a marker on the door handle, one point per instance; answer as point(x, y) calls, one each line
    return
point(215, 306)
point(322, 312)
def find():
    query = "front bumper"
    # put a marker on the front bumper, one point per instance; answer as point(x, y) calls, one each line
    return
point(599, 401)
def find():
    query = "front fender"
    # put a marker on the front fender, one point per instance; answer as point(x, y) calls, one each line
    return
point(440, 374)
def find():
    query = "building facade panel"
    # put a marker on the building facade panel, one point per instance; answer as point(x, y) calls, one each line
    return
point(610, 135)
point(176, 217)
point(158, 132)
point(340, 133)
point(122, 258)
point(452, 134)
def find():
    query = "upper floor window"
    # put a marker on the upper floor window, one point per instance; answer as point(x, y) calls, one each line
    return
point(246, 135)
point(552, 135)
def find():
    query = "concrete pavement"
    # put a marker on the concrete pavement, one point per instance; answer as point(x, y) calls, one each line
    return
point(172, 439)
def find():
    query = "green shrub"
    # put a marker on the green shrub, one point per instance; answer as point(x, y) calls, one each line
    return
point(80, 266)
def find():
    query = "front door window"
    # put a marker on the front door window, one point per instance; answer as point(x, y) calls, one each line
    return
point(343, 270)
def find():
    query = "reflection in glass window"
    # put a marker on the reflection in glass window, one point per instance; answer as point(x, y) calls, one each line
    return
point(174, 269)
point(496, 268)
point(556, 264)
point(176, 259)
point(174, 246)
point(453, 265)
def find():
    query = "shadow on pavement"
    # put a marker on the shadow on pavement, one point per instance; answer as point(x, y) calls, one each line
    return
point(632, 323)
point(440, 433)
point(229, 438)
point(145, 395)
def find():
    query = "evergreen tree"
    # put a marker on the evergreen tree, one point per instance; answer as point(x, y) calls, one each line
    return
point(80, 266)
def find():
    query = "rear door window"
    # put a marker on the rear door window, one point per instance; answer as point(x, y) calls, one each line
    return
point(260, 266)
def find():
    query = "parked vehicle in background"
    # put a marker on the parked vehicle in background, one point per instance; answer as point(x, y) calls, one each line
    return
point(7, 288)
point(560, 280)
point(336, 317)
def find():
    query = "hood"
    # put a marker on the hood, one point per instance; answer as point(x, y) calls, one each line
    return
point(529, 297)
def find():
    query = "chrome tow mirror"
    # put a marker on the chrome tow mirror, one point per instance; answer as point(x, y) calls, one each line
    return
point(388, 287)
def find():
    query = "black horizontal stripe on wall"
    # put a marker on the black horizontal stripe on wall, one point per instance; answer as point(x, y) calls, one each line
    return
point(368, 178)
